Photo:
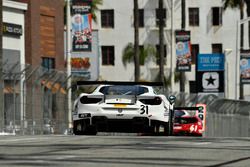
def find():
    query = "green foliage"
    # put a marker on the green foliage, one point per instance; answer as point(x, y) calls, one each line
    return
point(234, 4)
point(146, 52)
point(167, 80)
point(94, 8)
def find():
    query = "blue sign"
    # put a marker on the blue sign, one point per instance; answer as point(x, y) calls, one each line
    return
point(211, 62)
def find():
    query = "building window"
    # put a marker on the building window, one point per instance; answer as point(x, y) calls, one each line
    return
point(158, 54)
point(217, 16)
point(48, 63)
point(217, 48)
point(193, 16)
point(164, 15)
point(108, 55)
point(141, 17)
point(107, 18)
point(194, 52)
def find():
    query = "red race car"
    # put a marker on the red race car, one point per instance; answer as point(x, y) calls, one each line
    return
point(188, 126)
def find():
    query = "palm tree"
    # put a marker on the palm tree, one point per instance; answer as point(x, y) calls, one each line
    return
point(136, 41)
point(239, 4)
point(183, 26)
point(161, 41)
point(1, 68)
point(94, 8)
point(144, 53)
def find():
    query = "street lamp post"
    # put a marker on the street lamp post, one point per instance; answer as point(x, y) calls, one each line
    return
point(238, 84)
point(68, 64)
point(172, 47)
point(1, 69)
point(226, 52)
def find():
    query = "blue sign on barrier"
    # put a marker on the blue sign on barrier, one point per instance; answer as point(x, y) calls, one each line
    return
point(210, 62)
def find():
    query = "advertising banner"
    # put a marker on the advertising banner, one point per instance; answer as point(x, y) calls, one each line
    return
point(12, 29)
point(86, 64)
point(210, 73)
point(210, 81)
point(245, 67)
point(210, 62)
point(81, 25)
point(183, 51)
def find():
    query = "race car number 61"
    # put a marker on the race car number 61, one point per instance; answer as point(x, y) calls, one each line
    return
point(144, 109)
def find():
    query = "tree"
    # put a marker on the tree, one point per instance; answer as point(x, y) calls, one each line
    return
point(239, 4)
point(136, 41)
point(183, 26)
point(1, 70)
point(94, 8)
point(144, 53)
point(161, 41)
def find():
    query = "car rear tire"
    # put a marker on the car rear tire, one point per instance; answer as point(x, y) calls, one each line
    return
point(81, 127)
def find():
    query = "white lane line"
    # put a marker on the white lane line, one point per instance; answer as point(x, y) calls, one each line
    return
point(22, 139)
point(202, 143)
point(66, 157)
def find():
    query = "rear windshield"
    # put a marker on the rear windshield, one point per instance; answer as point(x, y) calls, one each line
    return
point(123, 90)
point(183, 120)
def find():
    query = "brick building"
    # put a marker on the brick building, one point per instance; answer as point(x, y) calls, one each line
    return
point(44, 27)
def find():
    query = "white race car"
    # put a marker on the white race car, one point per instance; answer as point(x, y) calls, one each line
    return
point(123, 107)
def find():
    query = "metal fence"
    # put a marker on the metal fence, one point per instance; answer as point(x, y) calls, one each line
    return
point(228, 118)
point(35, 100)
point(225, 117)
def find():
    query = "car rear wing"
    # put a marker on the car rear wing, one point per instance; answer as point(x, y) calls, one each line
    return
point(78, 83)
point(188, 108)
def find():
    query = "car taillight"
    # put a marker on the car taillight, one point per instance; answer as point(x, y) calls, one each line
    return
point(90, 100)
point(154, 101)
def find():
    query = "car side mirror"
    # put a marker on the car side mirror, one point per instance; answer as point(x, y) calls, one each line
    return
point(171, 99)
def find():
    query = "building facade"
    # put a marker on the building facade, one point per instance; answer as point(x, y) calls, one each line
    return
point(13, 60)
point(35, 80)
point(44, 33)
point(213, 30)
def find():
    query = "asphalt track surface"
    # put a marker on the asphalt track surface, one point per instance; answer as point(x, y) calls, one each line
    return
point(123, 151)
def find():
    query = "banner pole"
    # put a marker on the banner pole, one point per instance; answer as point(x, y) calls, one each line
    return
point(69, 64)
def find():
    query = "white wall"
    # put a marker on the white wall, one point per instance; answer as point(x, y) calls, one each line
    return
point(204, 35)
point(13, 12)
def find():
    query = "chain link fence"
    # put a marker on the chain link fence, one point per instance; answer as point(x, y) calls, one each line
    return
point(35, 100)
point(225, 117)
point(228, 118)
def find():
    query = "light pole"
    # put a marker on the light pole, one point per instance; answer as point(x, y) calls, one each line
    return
point(226, 52)
point(68, 64)
point(172, 64)
point(1, 69)
point(238, 84)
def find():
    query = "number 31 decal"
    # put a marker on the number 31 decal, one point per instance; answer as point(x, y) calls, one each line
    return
point(144, 109)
